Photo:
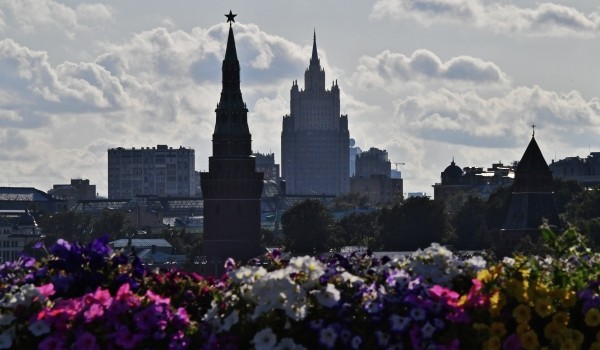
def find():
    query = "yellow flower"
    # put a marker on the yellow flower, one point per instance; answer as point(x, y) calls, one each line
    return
point(571, 336)
point(569, 298)
point(497, 329)
point(522, 313)
point(522, 328)
point(553, 330)
point(544, 307)
point(525, 272)
point(568, 346)
point(497, 302)
point(595, 346)
point(529, 340)
point(484, 275)
point(541, 289)
point(493, 343)
point(592, 317)
point(480, 327)
point(561, 317)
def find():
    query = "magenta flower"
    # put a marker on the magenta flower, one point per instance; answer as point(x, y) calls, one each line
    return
point(95, 311)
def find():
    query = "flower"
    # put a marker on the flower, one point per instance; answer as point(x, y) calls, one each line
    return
point(592, 317)
point(327, 337)
point(522, 313)
point(38, 328)
point(328, 297)
point(5, 341)
point(264, 339)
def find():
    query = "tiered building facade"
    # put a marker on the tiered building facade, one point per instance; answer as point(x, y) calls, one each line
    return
point(315, 139)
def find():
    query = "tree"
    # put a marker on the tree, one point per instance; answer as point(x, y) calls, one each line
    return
point(68, 225)
point(584, 213)
point(307, 228)
point(350, 201)
point(415, 224)
point(115, 223)
point(469, 224)
point(361, 229)
point(496, 208)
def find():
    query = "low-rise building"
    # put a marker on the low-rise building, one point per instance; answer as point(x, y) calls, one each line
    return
point(458, 184)
point(17, 231)
point(586, 170)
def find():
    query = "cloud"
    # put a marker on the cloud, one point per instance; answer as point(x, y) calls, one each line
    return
point(547, 19)
point(19, 16)
point(471, 120)
point(425, 67)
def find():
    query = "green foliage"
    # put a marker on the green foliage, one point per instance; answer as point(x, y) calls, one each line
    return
point(361, 229)
point(68, 225)
point(469, 225)
point(350, 201)
point(308, 228)
point(415, 224)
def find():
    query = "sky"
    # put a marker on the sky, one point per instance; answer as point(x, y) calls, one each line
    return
point(427, 80)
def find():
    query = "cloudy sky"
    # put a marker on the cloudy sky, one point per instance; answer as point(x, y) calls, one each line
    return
point(426, 80)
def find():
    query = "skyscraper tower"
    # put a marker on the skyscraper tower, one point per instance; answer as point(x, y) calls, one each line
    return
point(231, 187)
point(315, 140)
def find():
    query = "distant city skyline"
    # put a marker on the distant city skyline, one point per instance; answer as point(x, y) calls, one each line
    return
point(426, 80)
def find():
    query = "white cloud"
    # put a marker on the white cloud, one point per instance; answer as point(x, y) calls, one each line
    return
point(547, 19)
point(32, 16)
point(471, 120)
point(394, 70)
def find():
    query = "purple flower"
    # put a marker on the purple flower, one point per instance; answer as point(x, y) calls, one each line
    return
point(127, 339)
point(86, 341)
point(146, 319)
point(52, 342)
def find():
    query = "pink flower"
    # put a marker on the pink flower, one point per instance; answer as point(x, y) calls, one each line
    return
point(95, 311)
point(46, 290)
point(156, 298)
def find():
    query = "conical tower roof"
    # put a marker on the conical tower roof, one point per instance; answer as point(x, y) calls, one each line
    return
point(532, 173)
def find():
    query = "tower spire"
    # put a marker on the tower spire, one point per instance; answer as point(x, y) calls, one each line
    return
point(232, 114)
point(314, 60)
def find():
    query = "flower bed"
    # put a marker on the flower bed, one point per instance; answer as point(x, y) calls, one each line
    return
point(91, 297)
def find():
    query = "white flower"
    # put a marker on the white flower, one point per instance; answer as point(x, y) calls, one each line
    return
point(382, 338)
point(288, 344)
point(6, 319)
point(417, 314)
point(399, 323)
point(232, 319)
point(508, 261)
point(427, 330)
point(264, 339)
point(5, 341)
point(355, 342)
point(328, 297)
point(327, 337)
point(477, 263)
point(39, 327)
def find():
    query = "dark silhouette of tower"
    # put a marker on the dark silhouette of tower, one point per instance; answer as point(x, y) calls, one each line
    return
point(315, 142)
point(231, 188)
point(531, 201)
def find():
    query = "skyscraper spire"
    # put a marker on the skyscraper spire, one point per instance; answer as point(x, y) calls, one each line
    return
point(314, 60)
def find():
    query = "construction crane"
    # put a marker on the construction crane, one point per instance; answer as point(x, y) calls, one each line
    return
point(396, 164)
